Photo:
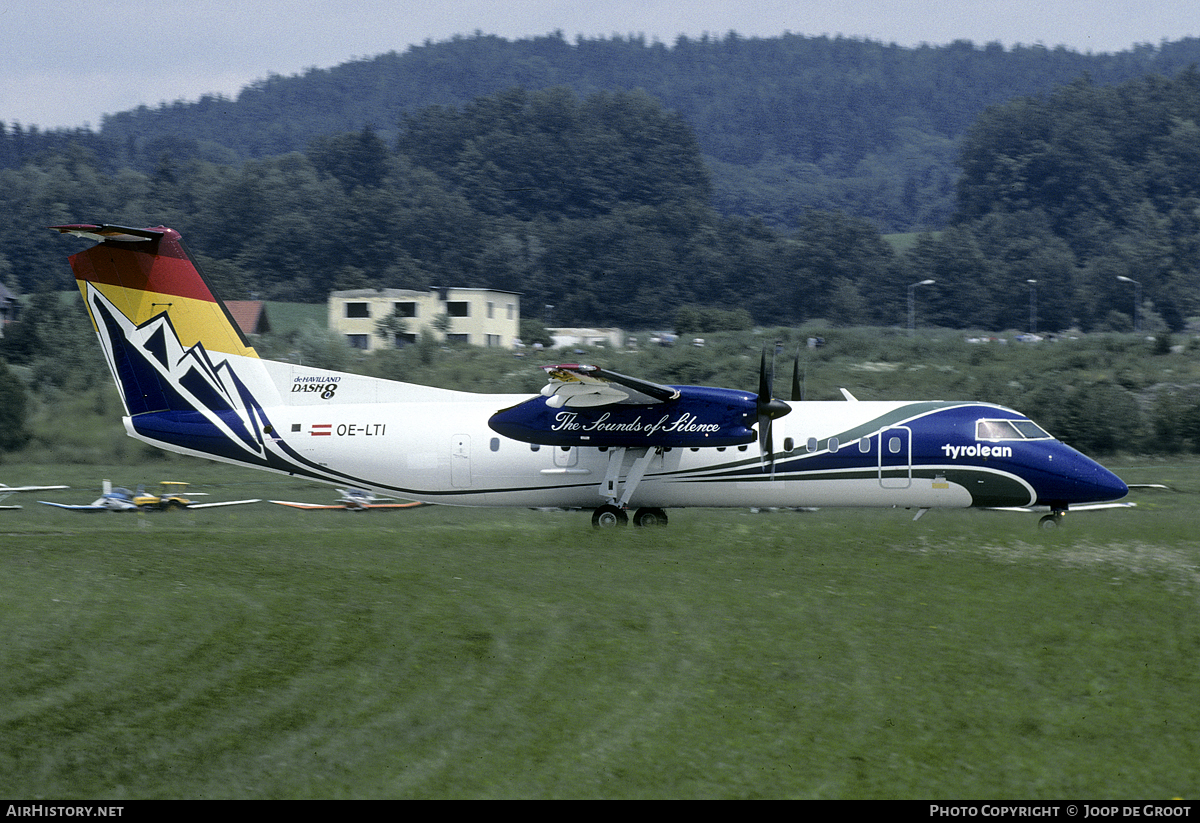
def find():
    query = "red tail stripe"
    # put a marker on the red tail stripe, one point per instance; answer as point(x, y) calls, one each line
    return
point(163, 268)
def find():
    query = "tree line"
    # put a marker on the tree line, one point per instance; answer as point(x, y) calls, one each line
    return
point(601, 207)
point(786, 124)
point(598, 209)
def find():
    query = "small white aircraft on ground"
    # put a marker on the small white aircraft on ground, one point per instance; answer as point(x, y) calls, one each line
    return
point(355, 500)
point(111, 500)
point(8, 491)
point(592, 439)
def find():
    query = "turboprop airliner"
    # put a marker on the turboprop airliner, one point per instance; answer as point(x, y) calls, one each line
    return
point(592, 439)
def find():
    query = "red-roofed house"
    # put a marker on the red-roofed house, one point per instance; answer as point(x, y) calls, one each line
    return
point(250, 315)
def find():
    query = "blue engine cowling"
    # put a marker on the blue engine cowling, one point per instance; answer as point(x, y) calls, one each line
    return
point(700, 416)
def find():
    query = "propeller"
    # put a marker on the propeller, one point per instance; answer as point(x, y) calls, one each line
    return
point(769, 409)
point(797, 388)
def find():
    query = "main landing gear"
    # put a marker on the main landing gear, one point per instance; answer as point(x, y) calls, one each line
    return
point(1051, 521)
point(611, 517)
point(612, 514)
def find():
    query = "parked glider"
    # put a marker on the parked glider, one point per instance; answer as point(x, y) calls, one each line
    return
point(594, 439)
point(120, 499)
point(111, 500)
point(355, 500)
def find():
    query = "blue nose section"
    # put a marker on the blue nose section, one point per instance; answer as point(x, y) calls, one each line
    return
point(1075, 478)
point(1109, 486)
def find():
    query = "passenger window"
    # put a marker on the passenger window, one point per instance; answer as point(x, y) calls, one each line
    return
point(864, 445)
point(812, 444)
point(833, 445)
point(894, 445)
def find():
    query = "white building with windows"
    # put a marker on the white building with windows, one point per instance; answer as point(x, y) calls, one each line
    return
point(479, 317)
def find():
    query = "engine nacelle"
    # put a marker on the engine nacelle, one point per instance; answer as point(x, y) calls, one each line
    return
point(698, 416)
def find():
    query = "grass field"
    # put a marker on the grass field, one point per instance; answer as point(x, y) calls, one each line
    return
point(262, 652)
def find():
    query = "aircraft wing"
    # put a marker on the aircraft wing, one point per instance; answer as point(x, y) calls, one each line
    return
point(8, 491)
point(344, 507)
point(90, 508)
point(222, 503)
point(579, 386)
point(1086, 507)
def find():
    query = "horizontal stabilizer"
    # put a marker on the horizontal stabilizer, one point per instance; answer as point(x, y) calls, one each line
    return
point(121, 234)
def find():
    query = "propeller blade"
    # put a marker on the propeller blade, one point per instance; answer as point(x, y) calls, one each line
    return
point(768, 409)
point(764, 380)
point(766, 445)
point(797, 389)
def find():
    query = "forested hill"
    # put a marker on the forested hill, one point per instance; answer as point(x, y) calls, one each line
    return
point(785, 124)
point(600, 205)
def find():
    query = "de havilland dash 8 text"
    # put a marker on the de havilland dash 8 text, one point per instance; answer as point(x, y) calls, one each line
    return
point(592, 439)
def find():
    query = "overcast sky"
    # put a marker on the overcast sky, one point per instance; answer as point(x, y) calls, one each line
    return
point(66, 64)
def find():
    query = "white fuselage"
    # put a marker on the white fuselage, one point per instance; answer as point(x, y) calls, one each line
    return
point(434, 445)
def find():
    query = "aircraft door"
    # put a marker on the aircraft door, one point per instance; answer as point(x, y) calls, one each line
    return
point(895, 457)
point(460, 461)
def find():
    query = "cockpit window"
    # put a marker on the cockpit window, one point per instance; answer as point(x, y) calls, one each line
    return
point(1030, 430)
point(996, 430)
point(1009, 430)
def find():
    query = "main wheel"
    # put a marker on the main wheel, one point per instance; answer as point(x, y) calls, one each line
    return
point(609, 517)
point(649, 518)
point(1050, 522)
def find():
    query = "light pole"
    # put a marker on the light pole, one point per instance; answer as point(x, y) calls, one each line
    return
point(1137, 302)
point(912, 302)
point(1032, 306)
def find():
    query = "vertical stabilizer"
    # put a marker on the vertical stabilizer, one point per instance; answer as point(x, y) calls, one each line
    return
point(188, 377)
point(146, 273)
